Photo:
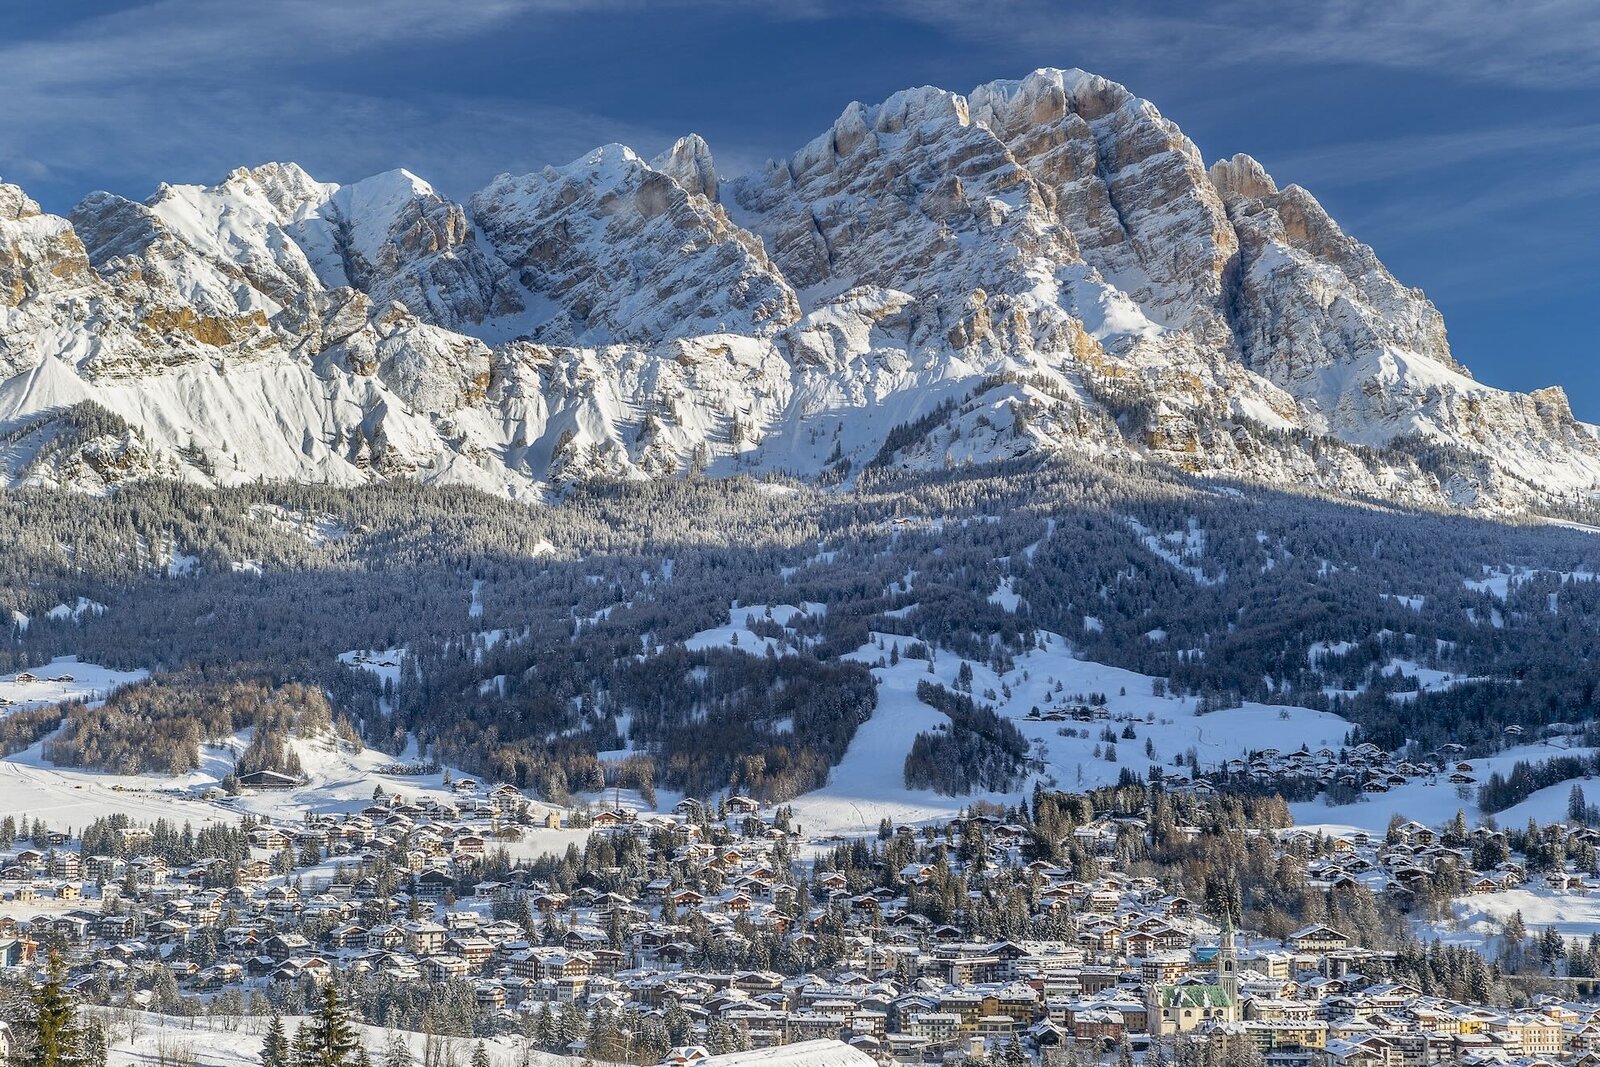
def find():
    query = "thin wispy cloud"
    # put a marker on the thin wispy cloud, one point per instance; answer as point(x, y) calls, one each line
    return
point(1385, 159)
point(169, 91)
point(1537, 44)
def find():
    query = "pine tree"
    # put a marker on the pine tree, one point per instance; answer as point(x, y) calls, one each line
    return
point(300, 1046)
point(95, 1044)
point(480, 1055)
point(53, 1036)
point(275, 1046)
point(397, 1053)
point(328, 1039)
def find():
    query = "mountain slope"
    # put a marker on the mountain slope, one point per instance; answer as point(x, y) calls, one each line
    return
point(1040, 266)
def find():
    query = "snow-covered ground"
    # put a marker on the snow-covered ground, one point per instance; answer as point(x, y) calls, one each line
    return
point(75, 611)
point(822, 1053)
point(1575, 914)
point(736, 634)
point(1429, 679)
point(63, 678)
point(868, 785)
point(1435, 802)
point(144, 1039)
point(382, 662)
point(1499, 581)
point(338, 779)
point(1181, 549)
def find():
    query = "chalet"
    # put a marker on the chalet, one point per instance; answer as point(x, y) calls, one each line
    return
point(1316, 938)
point(434, 884)
point(269, 837)
point(267, 779)
point(423, 937)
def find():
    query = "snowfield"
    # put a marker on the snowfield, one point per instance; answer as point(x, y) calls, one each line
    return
point(868, 785)
point(1435, 803)
point(339, 779)
point(63, 678)
point(821, 1053)
point(145, 1039)
point(1574, 913)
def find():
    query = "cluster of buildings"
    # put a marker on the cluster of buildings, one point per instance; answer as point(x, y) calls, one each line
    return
point(1365, 768)
point(401, 888)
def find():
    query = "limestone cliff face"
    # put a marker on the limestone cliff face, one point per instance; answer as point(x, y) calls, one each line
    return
point(624, 253)
point(401, 242)
point(1126, 181)
point(1039, 265)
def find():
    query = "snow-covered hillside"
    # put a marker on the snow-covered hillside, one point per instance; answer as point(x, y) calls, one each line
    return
point(1041, 265)
point(63, 678)
point(868, 785)
point(337, 779)
point(146, 1039)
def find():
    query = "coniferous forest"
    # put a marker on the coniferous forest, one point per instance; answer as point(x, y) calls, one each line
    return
point(530, 638)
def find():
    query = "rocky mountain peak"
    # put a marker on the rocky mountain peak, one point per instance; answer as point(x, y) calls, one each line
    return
point(400, 241)
point(1043, 264)
point(628, 254)
point(16, 204)
point(688, 162)
point(1241, 178)
point(291, 192)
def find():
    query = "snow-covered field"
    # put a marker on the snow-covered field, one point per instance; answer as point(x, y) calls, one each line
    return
point(382, 662)
point(63, 678)
point(1433, 803)
point(821, 1053)
point(736, 634)
point(1575, 914)
point(144, 1039)
point(65, 797)
point(1499, 581)
point(339, 779)
point(868, 786)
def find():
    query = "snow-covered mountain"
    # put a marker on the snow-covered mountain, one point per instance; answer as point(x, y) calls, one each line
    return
point(1043, 265)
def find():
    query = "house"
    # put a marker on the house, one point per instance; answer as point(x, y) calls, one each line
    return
point(265, 779)
point(423, 937)
point(434, 884)
point(1316, 938)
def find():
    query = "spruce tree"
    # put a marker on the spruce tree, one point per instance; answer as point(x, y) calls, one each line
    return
point(275, 1046)
point(94, 1044)
point(300, 1046)
point(329, 1039)
point(397, 1053)
point(57, 1038)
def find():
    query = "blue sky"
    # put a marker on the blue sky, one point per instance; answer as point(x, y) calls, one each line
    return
point(1461, 139)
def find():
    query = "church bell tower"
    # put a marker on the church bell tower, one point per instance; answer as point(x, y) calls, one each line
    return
point(1228, 963)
